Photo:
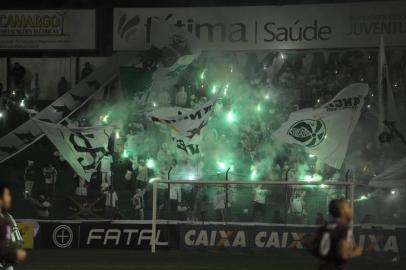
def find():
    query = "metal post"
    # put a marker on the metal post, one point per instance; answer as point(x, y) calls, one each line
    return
point(352, 203)
point(286, 196)
point(226, 206)
point(168, 197)
point(154, 216)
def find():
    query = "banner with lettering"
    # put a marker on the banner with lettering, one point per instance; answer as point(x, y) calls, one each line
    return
point(48, 29)
point(341, 25)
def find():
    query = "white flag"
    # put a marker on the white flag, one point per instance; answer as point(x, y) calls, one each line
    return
point(81, 147)
point(388, 117)
point(325, 132)
point(393, 177)
point(186, 124)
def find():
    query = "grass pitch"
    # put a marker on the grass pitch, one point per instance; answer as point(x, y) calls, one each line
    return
point(176, 260)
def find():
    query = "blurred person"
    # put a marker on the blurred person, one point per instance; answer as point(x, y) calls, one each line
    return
point(11, 241)
point(63, 86)
point(111, 202)
point(259, 205)
point(49, 172)
point(175, 199)
point(18, 75)
point(181, 97)
point(333, 242)
point(34, 92)
point(142, 174)
point(297, 206)
point(42, 206)
point(219, 204)
point(138, 203)
point(81, 186)
point(31, 175)
point(86, 71)
point(105, 169)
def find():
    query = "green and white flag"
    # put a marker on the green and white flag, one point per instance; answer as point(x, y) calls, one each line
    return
point(82, 147)
point(186, 125)
point(326, 131)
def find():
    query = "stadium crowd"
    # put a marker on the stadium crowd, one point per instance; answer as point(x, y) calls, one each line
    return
point(279, 83)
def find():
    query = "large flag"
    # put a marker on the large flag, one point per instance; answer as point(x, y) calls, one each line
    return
point(388, 117)
point(81, 147)
point(186, 124)
point(171, 49)
point(393, 177)
point(325, 131)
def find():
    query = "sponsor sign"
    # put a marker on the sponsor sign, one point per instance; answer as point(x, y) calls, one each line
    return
point(27, 232)
point(133, 236)
point(269, 27)
point(377, 242)
point(59, 235)
point(47, 29)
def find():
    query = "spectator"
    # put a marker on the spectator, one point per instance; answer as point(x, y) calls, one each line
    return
point(31, 175)
point(81, 186)
point(175, 199)
point(63, 86)
point(181, 97)
point(111, 202)
point(141, 175)
point(49, 172)
point(33, 94)
point(297, 206)
point(219, 204)
point(105, 169)
point(43, 206)
point(138, 203)
point(18, 75)
point(259, 206)
point(86, 71)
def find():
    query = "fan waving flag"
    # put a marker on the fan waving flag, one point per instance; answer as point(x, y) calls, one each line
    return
point(81, 147)
point(186, 124)
point(388, 117)
point(326, 131)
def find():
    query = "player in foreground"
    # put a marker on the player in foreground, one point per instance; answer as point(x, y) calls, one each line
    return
point(333, 242)
point(10, 237)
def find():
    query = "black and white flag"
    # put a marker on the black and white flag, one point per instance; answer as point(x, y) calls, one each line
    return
point(81, 147)
point(326, 131)
point(388, 117)
point(186, 124)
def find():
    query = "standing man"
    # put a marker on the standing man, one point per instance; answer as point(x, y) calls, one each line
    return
point(333, 242)
point(219, 204)
point(30, 177)
point(111, 203)
point(105, 169)
point(50, 174)
point(259, 206)
point(10, 237)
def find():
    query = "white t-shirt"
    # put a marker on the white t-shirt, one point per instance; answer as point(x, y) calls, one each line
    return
point(111, 199)
point(219, 201)
point(260, 196)
point(175, 193)
point(105, 163)
point(297, 206)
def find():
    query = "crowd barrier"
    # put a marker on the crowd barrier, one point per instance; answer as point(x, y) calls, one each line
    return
point(380, 242)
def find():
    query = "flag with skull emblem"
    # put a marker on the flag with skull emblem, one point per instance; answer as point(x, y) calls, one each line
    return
point(326, 131)
point(82, 147)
